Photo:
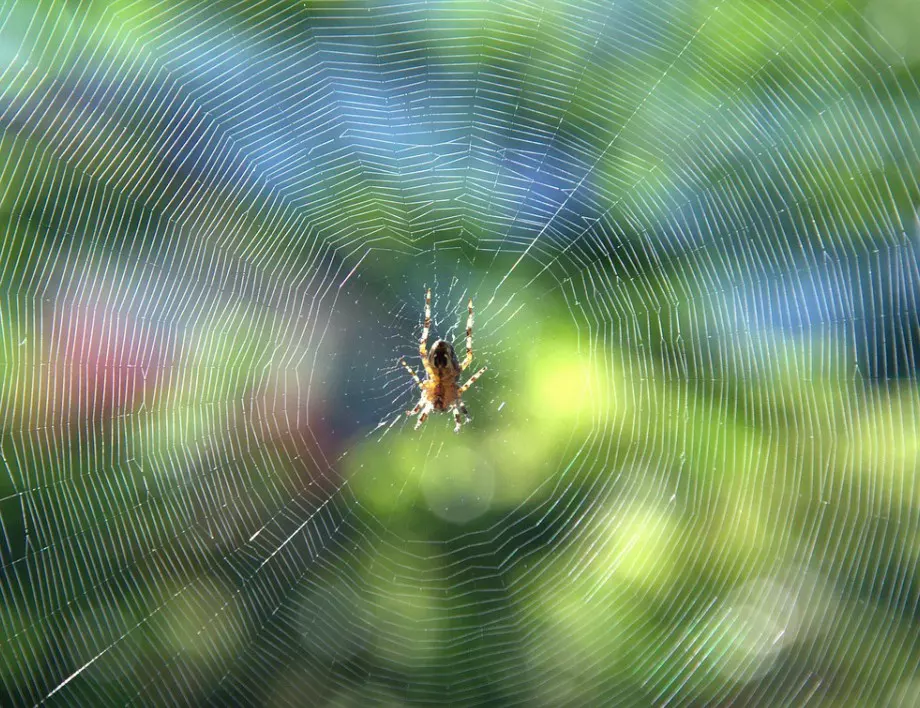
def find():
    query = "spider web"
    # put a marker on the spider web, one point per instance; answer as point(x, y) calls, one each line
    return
point(689, 230)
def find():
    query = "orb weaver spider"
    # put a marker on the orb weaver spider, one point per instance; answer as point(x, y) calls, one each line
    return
point(440, 391)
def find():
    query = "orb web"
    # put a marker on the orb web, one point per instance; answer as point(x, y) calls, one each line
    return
point(689, 231)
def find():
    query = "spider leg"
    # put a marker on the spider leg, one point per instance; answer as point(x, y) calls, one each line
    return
point(466, 414)
point(418, 407)
point(465, 387)
point(423, 342)
point(468, 359)
point(411, 372)
point(423, 417)
point(456, 420)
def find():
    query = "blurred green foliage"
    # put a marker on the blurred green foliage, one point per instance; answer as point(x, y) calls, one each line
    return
point(681, 483)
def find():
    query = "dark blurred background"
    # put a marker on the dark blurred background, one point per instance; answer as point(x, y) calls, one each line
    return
point(690, 233)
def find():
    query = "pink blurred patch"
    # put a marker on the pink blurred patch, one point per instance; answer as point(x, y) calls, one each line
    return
point(102, 363)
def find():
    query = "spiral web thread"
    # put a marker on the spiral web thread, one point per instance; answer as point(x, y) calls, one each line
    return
point(218, 225)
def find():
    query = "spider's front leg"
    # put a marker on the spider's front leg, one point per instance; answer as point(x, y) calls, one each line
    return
point(423, 417)
point(460, 409)
point(457, 423)
point(418, 407)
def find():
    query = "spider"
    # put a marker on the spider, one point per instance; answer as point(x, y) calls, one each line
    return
point(442, 368)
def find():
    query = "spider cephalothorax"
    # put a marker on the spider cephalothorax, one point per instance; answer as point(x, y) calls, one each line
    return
point(442, 368)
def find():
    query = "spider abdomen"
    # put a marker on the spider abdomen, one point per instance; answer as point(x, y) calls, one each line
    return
point(442, 358)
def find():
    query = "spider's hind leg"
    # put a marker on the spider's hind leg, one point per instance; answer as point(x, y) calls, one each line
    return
point(423, 342)
point(465, 387)
point(468, 359)
point(411, 372)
